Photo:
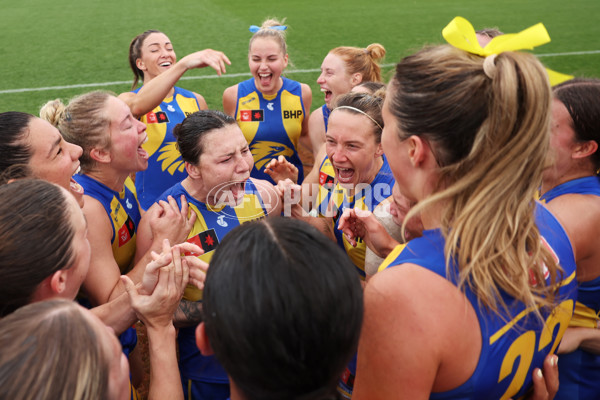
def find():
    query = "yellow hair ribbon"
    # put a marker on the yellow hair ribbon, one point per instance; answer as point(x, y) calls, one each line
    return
point(461, 34)
point(557, 78)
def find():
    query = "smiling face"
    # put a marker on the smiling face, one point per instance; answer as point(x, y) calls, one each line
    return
point(334, 79)
point(267, 61)
point(224, 165)
point(352, 148)
point(127, 135)
point(157, 55)
point(52, 158)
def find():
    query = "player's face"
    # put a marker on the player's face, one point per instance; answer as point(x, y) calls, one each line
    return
point(334, 79)
point(225, 165)
point(118, 374)
point(562, 142)
point(81, 249)
point(399, 207)
point(352, 148)
point(52, 158)
point(267, 61)
point(157, 55)
point(396, 152)
point(127, 135)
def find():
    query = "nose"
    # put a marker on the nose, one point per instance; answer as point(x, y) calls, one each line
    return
point(243, 165)
point(320, 79)
point(141, 127)
point(75, 151)
point(337, 154)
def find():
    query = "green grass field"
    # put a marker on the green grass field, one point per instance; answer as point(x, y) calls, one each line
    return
point(49, 47)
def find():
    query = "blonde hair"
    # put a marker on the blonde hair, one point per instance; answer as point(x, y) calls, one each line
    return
point(50, 350)
point(363, 61)
point(83, 122)
point(490, 137)
point(267, 32)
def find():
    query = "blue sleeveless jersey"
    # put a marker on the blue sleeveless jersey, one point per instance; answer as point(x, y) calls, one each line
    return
point(586, 185)
point(326, 111)
point(124, 213)
point(165, 166)
point(579, 371)
point(271, 124)
point(333, 200)
point(509, 350)
point(211, 226)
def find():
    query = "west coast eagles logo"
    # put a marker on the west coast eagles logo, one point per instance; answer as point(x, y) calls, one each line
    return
point(264, 151)
point(171, 158)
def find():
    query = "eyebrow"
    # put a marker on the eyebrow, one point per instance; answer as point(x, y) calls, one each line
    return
point(124, 120)
point(347, 142)
point(54, 145)
point(230, 154)
point(157, 44)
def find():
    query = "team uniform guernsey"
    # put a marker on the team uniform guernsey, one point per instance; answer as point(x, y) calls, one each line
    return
point(579, 371)
point(271, 124)
point(165, 166)
point(326, 111)
point(210, 227)
point(512, 345)
point(124, 213)
point(332, 200)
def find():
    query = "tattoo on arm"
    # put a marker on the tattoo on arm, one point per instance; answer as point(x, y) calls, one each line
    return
point(188, 313)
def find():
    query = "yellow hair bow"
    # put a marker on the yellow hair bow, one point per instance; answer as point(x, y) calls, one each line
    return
point(461, 34)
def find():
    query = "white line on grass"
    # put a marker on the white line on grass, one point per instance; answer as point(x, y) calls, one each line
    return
point(244, 74)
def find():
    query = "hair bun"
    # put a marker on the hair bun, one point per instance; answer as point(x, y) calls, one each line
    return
point(376, 51)
point(53, 112)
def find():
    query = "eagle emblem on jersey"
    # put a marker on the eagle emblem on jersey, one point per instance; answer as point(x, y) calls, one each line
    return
point(171, 158)
point(264, 151)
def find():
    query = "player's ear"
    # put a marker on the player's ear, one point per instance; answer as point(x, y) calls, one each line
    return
point(202, 340)
point(193, 170)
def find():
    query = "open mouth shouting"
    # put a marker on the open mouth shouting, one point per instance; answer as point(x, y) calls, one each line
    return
point(265, 79)
point(328, 95)
point(140, 150)
point(344, 175)
point(229, 193)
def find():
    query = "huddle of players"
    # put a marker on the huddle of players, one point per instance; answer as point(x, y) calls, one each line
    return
point(478, 166)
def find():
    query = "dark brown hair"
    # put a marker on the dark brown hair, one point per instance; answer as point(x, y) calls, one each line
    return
point(135, 52)
point(581, 97)
point(14, 128)
point(191, 131)
point(36, 237)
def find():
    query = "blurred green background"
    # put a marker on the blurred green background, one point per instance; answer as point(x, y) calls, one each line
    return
point(67, 47)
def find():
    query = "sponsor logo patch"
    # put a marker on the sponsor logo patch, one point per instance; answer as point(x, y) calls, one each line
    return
point(157, 118)
point(252, 115)
point(126, 231)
